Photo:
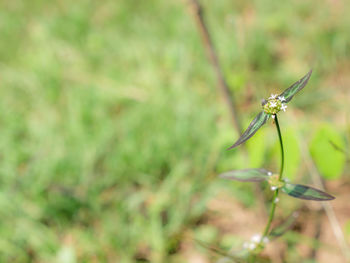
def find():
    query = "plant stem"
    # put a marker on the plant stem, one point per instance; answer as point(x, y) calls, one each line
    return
point(252, 257)
point(281, 145)
point(274, 202)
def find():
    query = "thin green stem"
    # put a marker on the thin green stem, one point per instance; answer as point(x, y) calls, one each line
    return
point(272, 213)
point(281, 145)
point(252, 257)
point(274, 199)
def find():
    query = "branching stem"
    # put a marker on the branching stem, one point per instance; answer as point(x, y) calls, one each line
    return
point(275, 196)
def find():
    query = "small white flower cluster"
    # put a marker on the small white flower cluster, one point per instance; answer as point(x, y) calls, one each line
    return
point(255, 241)
point(275, 104)
point(275, 182)
point(282, 99)
point(273, 96)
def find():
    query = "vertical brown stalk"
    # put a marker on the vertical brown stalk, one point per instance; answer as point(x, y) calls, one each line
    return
point(198, 15)
point(227, 95)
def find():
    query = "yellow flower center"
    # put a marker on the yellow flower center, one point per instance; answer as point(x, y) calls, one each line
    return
point(272, 106)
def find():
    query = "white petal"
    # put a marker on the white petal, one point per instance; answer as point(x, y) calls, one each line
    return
point(284, 107)
point(252, 246)
point(282, 98)
point(256, 238)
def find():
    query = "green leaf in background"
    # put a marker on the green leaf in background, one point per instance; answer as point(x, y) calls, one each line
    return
point(247, 175)
point(347, 229)
point(237, 80)
point(206, 233)
point(292, 90)
point(290, 141)
point(234, 159)
point(330, 162)
point(252, 128)
point(66, 255)
point(305, 192)
point(292, 153)
point(256, 148)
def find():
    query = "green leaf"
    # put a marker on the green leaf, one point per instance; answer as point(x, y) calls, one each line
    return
point(292, 90)
point(252, 128)
point(256, 148)
point(286, 225)
point(330, 162)
point(247, 175)
point(220, 252)
point(306, 192)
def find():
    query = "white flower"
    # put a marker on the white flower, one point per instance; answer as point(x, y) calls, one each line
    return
point(269, 173)
point(282, 98)
point(273, 188)
point(273, 96)
point(284, 107)
point(252, 246)
point(273, 104)
point(276, 200)
point(255, 241)
point(256, 238)
point(249, 245)
point(273, 116)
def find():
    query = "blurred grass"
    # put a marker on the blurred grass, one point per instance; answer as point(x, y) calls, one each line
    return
point(111, 129)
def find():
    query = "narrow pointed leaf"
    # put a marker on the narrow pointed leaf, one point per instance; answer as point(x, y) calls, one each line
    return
point(219, 251)
point(306, 192)
point(252, 128)
point(285, 226)
point(292, 90)
point(247, 175)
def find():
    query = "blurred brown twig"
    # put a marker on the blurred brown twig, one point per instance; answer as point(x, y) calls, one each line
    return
point(227, 95)
point(197, 11)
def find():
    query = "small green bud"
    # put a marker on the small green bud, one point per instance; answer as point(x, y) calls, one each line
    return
point(274, 182)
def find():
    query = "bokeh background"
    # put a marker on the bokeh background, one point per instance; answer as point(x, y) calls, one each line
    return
point(113, 132)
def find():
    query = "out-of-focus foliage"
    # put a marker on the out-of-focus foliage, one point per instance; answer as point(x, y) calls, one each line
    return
point(324, 151)
point(292, 155)
point(111, 127)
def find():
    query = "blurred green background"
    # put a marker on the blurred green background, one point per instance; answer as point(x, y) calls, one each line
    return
point(112, 129)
